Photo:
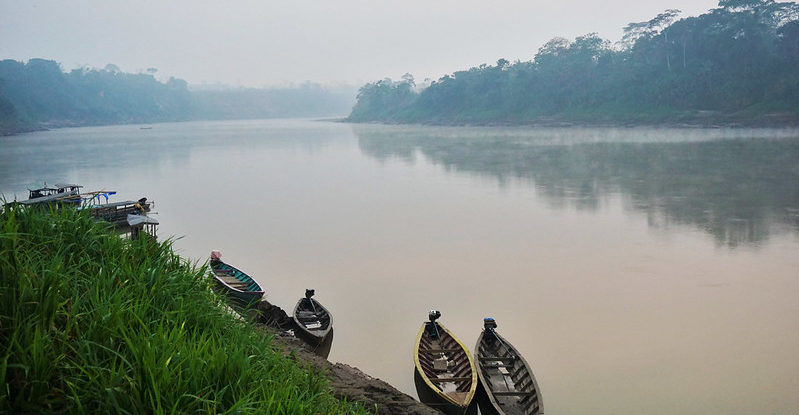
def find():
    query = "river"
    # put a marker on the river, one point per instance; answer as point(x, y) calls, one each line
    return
point(639, 271)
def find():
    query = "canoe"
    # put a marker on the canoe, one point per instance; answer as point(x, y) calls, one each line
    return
point(235, 283)
point(445, 374)
point(507, 384)
point(313, 322)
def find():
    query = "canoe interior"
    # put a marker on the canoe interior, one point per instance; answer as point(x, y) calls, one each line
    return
point(506, 377)
point(313, 318)
point(236, 282)
point(446, 364)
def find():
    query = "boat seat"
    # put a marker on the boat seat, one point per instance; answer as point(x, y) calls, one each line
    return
point(497, 359)
point(234, 282)
point(307, 315)
point(513, 393)
point(452, 379)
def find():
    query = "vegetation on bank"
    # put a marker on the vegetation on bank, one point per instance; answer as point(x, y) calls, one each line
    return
point(94, 323)
point(39, 94)
point(737, 63)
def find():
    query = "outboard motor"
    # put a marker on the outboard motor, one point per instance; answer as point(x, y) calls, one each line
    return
point(431, 326)
point(434, 315)
point(489, 323)
point(309, 292)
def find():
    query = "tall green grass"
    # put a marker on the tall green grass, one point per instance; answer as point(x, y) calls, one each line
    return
point(93, 323)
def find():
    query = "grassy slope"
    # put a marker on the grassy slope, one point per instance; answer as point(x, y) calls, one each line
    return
point(90, 322)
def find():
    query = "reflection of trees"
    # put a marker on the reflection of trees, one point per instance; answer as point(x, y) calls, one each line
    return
point(739, 190)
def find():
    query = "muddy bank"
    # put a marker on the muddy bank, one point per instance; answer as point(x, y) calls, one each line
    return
point(684, 119)
point(351, 383)
point(346, 382)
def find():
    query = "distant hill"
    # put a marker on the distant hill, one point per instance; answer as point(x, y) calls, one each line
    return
point(736, 64)
point(39, 94)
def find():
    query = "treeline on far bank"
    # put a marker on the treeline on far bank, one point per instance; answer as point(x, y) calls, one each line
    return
point(738, 63)
point(38, 93)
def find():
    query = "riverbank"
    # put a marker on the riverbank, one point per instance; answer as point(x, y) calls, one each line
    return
point(349, 383)
point(51, 125)
point(684, 119)
point(8, 130)
point(95, 323)
point(693, 119)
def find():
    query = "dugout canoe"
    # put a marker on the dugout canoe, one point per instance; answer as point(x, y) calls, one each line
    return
point(444, 373)
point(507, 384)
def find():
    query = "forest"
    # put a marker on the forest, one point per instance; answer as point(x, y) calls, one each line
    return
point(736, 64)
point(40, 94)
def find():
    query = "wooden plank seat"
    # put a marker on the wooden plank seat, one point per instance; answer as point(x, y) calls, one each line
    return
point(440, 350)
point(513, 393)
point(234, 282)
point(452, 379)
point(497, 359)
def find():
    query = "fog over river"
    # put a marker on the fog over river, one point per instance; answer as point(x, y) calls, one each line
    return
point(639, 271)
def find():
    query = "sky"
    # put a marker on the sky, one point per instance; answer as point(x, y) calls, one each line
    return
point(279, 43)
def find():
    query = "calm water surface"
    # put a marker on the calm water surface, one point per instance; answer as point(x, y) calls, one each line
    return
point(640, 271)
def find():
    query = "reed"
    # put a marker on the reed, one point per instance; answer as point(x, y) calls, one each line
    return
point(91, 322)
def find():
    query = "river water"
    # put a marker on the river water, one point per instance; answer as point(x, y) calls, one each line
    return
point(639, 271)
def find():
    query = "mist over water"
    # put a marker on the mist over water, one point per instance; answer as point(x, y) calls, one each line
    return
point(637, 270)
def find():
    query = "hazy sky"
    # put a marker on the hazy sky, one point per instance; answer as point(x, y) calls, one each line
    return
point(267, 42)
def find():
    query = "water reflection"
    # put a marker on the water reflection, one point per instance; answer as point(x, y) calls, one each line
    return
point(96, 157)
point(740, 186)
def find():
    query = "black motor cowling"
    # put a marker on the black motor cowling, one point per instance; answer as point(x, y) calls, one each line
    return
point(434, 315)
point(431, 327)
point(489, 323)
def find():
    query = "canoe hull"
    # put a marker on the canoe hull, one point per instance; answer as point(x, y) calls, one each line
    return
point(434, 400)
point(444, 374)
point(507, 384)
point(314, 325)
point(235, 284)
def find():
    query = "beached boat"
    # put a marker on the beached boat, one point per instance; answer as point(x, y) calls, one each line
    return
point(445, 374)
point(63, 189)
point(235, 283)
point(507, 384)
point(313, 322)
point(56, 195)
point(117, 212)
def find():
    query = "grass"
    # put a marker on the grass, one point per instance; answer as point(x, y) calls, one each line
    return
point(91, 322)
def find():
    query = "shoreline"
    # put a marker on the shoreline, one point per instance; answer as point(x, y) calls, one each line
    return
point(348, 382)
point(692, 119)
point(698, 119)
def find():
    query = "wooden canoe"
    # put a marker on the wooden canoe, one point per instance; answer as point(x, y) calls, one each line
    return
point(235, 283)
point(505, 377)
point(313, 322)
point(445, 374)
